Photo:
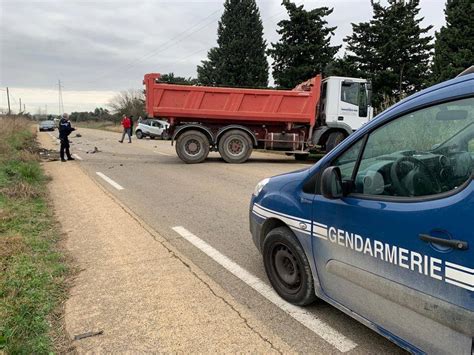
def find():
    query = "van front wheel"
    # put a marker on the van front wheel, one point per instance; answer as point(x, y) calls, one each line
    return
point(287, 267)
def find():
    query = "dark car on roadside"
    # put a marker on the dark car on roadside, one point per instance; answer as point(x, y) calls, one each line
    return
point(47, 125)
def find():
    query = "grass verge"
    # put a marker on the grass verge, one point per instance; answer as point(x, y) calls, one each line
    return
point(33, 270)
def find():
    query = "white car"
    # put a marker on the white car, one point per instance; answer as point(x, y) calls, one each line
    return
point(152, 128)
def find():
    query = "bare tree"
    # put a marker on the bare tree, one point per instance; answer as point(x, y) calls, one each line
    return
point(129, 102)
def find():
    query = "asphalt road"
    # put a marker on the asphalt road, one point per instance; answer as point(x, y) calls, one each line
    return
point(211, 201)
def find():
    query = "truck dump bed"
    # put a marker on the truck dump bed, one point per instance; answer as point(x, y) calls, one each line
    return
point(217, 104)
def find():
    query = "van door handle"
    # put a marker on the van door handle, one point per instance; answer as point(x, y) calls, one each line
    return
point(453, 243)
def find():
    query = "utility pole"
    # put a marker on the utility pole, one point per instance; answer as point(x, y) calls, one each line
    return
point(46, 109)
point(24, 108)
point(60, 98)
point(8, 99)
point(20, 106)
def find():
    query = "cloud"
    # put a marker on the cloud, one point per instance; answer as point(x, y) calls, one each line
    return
point(109, 45)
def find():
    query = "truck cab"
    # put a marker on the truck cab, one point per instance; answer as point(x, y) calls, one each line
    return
point(344, 107)
point(381, 226)
point(345, 100)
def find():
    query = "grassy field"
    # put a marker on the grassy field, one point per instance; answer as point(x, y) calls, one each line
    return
point(33, 270)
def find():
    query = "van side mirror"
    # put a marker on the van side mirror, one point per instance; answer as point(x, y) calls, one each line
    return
point(331, 183)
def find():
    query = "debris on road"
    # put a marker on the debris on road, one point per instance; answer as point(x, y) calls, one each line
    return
point(88, 335)
point(95, 150)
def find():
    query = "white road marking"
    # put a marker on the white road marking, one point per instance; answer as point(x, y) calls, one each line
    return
point(160, 153)
point(109, 180)
point(325, 331)
point(77, 157)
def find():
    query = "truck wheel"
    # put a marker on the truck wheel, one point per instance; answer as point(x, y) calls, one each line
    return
point(333, 140)
point(235, 146)
point(287, 267)
point(301, 157)
point(139, 134)
point(192, 147)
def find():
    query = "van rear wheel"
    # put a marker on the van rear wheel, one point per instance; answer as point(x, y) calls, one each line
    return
point(235, 146)
point(287, 267)
point(192, 147)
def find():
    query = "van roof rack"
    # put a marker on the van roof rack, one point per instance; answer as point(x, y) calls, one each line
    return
point(469, 70)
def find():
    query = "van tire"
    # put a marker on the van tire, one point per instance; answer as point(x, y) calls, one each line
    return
point(235, 146)
point(287, 267)
point(192, 147)
point(333, 140)
point(139, 134)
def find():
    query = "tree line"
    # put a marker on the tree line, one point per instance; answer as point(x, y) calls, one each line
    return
point(393, 49)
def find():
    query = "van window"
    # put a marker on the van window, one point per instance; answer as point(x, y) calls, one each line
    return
point(423, 153)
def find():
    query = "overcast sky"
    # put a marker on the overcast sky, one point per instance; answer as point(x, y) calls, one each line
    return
point(97, 48)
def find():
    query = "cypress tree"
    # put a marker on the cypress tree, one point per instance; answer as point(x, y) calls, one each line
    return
point(239, 59)
point(392, 50)
point(454, 46)
point(304, 48)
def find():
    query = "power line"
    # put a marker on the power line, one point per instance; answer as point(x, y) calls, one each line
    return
point(164, 46)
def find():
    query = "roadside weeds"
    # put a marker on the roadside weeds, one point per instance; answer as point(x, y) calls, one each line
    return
point(33, 269)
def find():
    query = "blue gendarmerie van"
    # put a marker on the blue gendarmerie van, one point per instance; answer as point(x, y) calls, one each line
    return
point(383, 226)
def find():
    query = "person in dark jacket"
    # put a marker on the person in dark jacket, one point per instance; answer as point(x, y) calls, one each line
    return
point(65, 130)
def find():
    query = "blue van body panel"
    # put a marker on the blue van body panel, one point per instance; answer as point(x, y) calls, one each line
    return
point(282, 201)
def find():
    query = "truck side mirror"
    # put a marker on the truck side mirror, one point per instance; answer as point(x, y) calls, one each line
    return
point(331, 183)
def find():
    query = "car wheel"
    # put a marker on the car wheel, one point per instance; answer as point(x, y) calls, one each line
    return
point(165, 136)
point(287, 267)
point(333, 140)
point(192, 147)
point(139, 134)
point(235, 146)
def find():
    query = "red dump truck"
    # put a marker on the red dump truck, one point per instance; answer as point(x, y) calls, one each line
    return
point(316, 115)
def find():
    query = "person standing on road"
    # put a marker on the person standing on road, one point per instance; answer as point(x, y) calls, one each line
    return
point(65, 130)
point(127, 125)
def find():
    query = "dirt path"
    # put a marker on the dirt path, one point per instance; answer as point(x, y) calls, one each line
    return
point(134, 287)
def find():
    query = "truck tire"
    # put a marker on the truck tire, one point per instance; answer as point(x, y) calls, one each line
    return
point(235, 146)
point(333, 140)
point(287, 267)
point(192, 147)
point(139, 134)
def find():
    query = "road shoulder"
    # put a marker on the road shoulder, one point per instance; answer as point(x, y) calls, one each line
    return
point(134, 287)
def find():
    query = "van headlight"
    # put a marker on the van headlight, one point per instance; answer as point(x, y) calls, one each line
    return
point(260, 186)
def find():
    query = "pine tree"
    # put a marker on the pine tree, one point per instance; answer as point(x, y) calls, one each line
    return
point(239, 59)
point(454, 46)
point(304, 48)
point(392, 50)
